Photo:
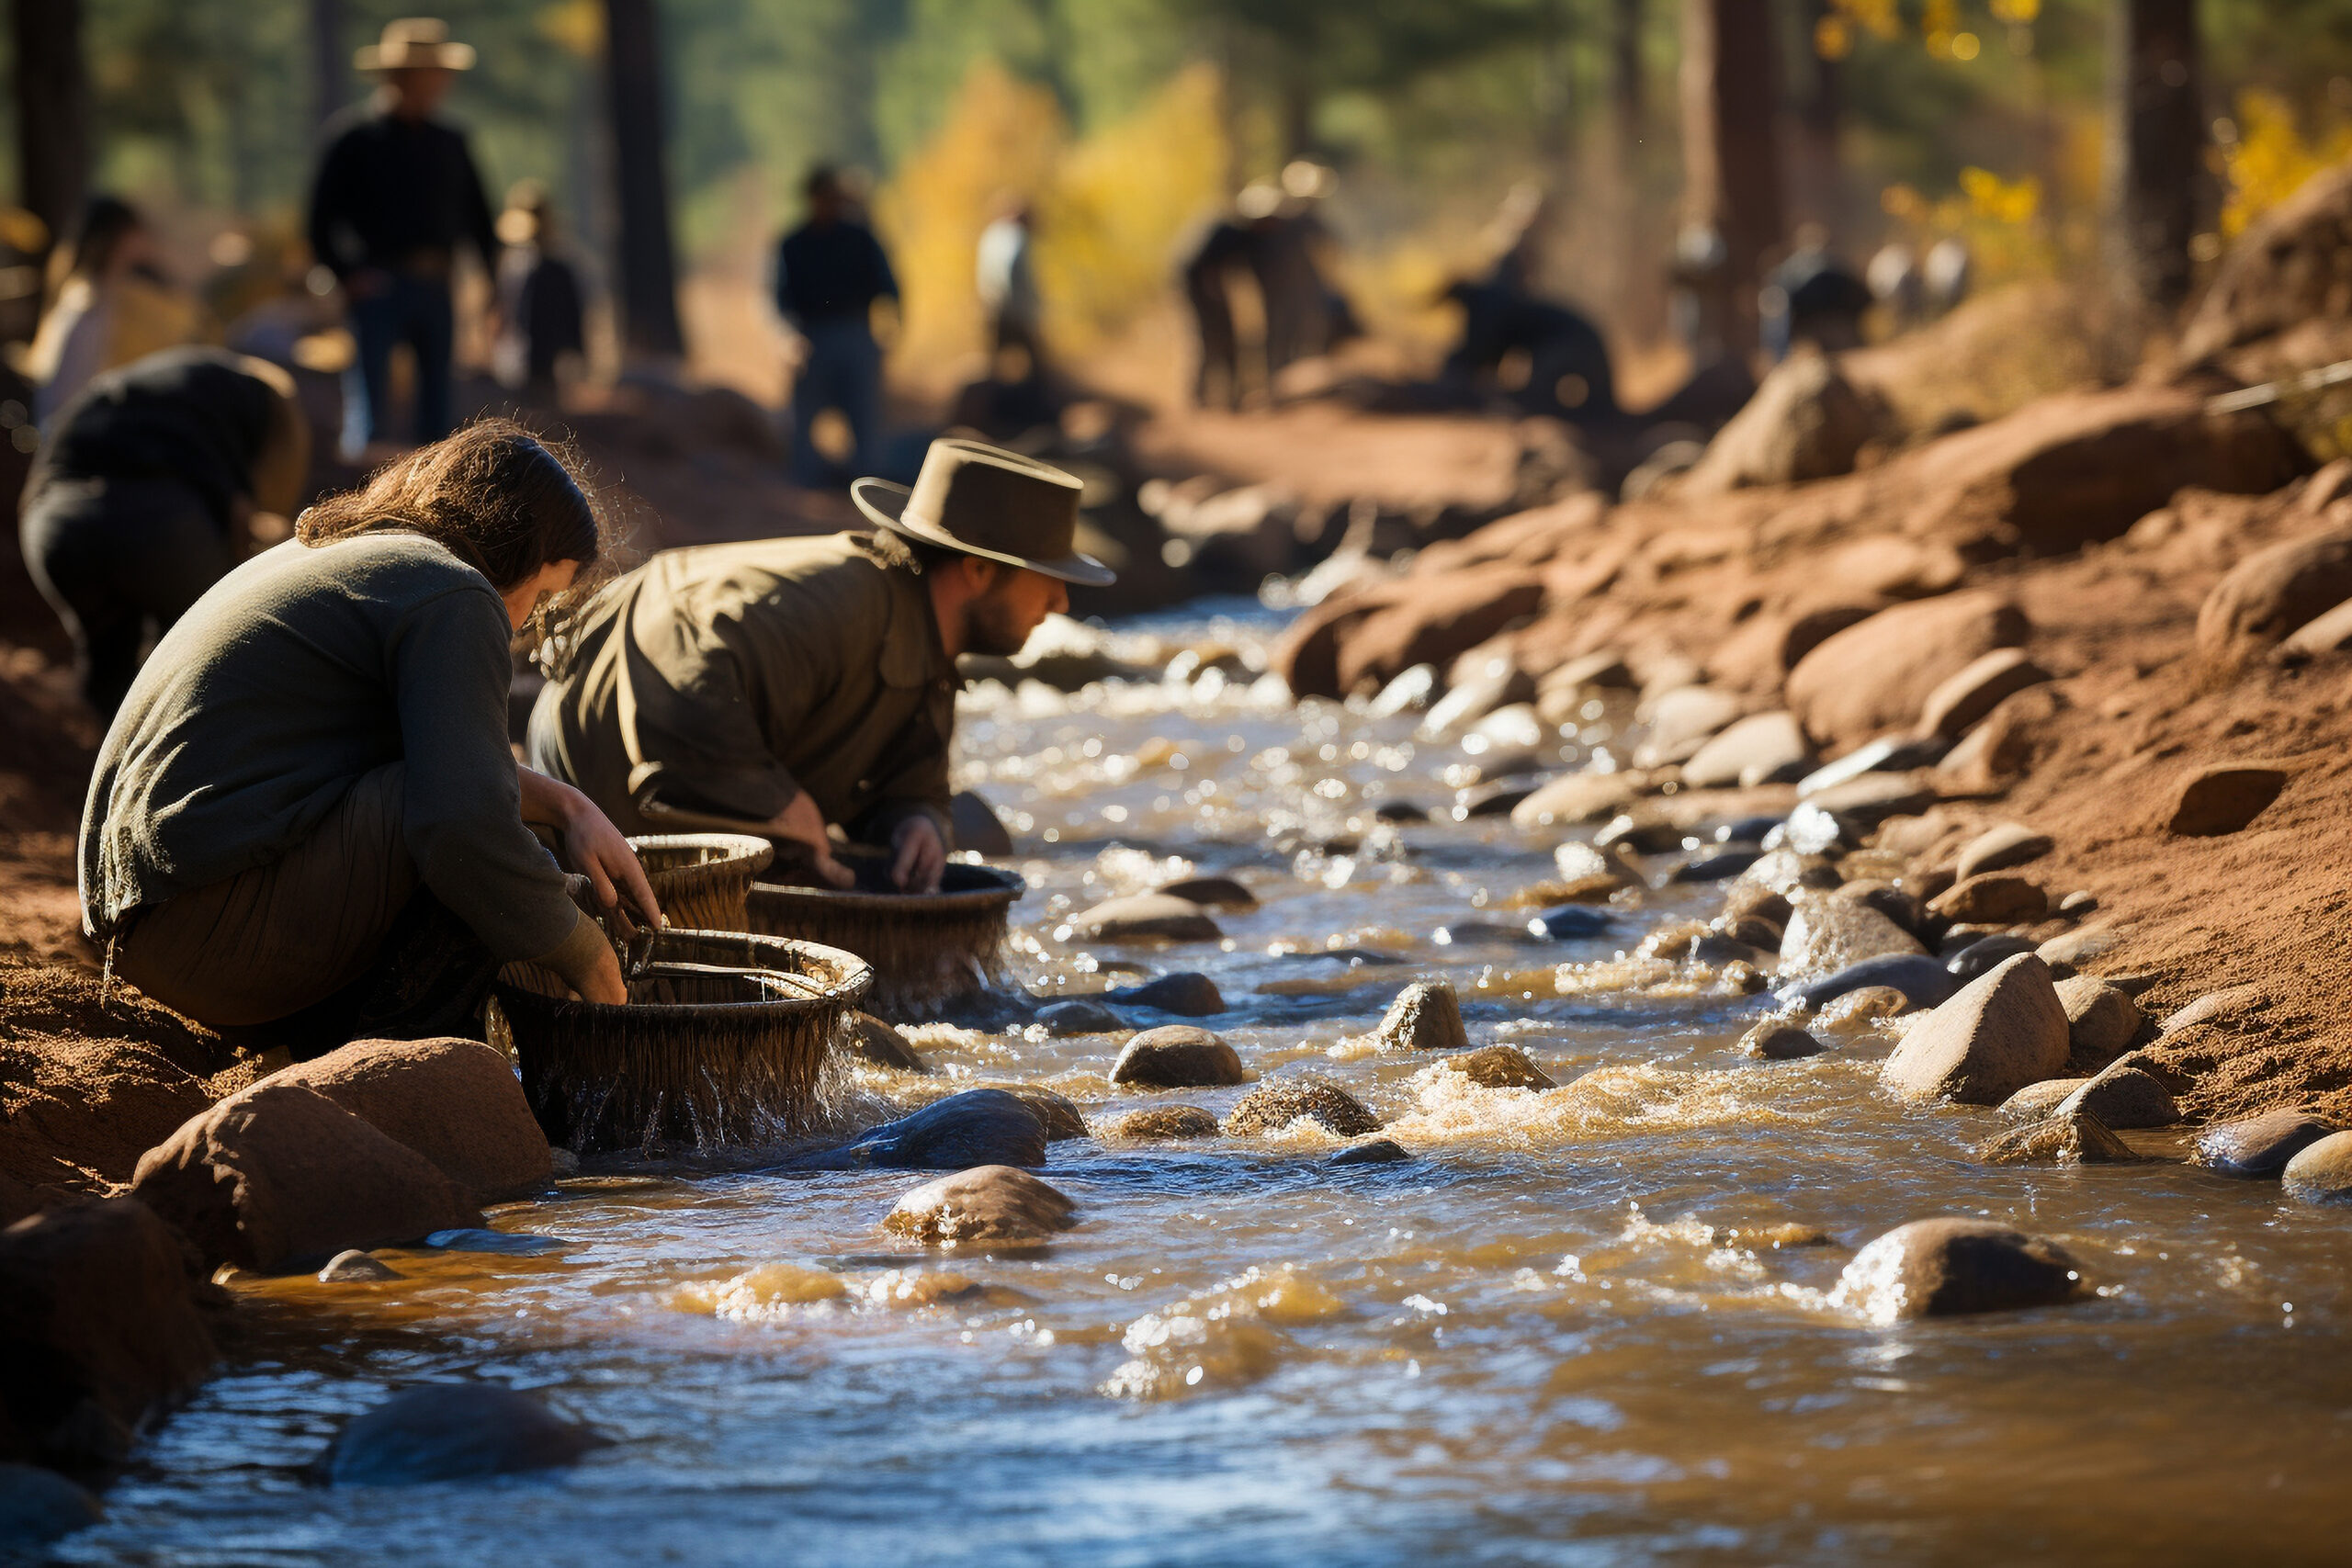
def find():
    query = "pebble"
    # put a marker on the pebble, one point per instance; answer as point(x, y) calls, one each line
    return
point(1859, 1012)
point(2123, 1097)
point(1187, 993)
point(1146, 916)
point(1752, 930)
point(1720, 866)
point(1861, 804)
point(1216, 892)
point(1777, 1039)
point(2065, 1137)
point(1763, 747)
point(1943, 1267)
point(1164, 1122)
point(2001, 1033)
point(986, 1204)
point(1403, 811)
point(1992, 898)
point(1964, 697)
point(2003, 847)
point(1426, 1016)
point(2224, 798)
point(353, 1267)
point(1827, 933)
point(2214, 1006)
point(2077, 904)
point(1372, 1151)
point(1716, 949)
point(2101, 1021)
point(1578, 799)
point(2260, 1146)
point(2321, 1171)
point(2037, 1100)
point(1681, 721)
point(1078, 1016)
point(1888, 753)
point(1888, 899)
point(1270, 1107)
point(1642, 830)
point(1177, 1056)
point(1984, 954)
point(1499, 1067)
point(2076, 948)
point(1922, 980)
point(1570, 923)
point(871, 1040)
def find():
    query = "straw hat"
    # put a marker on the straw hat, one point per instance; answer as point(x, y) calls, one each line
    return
point(415, 43)
point(990, 502)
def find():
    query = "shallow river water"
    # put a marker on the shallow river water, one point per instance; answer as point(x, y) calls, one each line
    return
point(1562, 1334)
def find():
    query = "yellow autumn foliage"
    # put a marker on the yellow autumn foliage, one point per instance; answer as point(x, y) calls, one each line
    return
point(2271, 158)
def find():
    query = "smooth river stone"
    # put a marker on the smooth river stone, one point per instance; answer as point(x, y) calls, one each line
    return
point(1827, 933)
point(986, 1204)
point(1187, 993)
point(1426, 1016)
point(1763, 747)
point(2259, 1147)
point(2321, 1171)
point(1160, 1124)
point(1680, 721)
point(1078, 1016)
point(1499, 1067)
point(1964, 699)
point(1372, 1151)
point(354, 1266)
point(1944, 1268)
point(1178, 1057)
point(1720, 866)
point(2036, 1102)
point(453, 1432)
point(872, 1040)
point(979, 1126)
point(1147, 916)
point(2224, 798)
point(1982, 956)
point(2002, 847)
point(1216, 892)
point(1569, 922)
point(2000, 1033)
point(1992, 898)
point(2123, 1097)
point(1919, 976)
point(1270, 1107)
point(1859, 1013)
point(1777, 1039)
point(1578, 799)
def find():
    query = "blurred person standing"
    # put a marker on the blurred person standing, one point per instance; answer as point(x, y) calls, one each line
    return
point(541, 318)
point(1006, 280)
point(397, 193)
point(153, 484)
point(1813, 297)
point(829, 273)
point(115, 306)
point(1208, 282)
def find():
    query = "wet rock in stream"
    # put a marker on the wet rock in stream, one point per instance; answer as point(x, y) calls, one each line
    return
point(1499, 1067)
point(871, 1040)
point(1163, 1124)
point(2259, 1148)
point(356, 1267)
point(2000, 1033)
point(979, 1126)
point(2065, 1138)
point(1081, 1015)
point(2101, 1021)
point(1777, 1039)
point(453, 1432)
point(1056, 1112)
point(2124, 1096)
point(38, 1508)
point(2321, 1171)
point(1827, 933)
point(1980, 957)
point(1923, 981)
point(1146, 916)
point(455, 1101)
point(986, 1204)
point(1945, 1268)
point(1177, 1056)
point(1372, 1151)
point(1270, 1107)
point(1426, 1016)
point(1186, 993)
point(1860, 1011)
point(1214, 892)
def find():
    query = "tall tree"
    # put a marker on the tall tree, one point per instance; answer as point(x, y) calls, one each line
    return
point(1731, 162)
point(52, 112)
point(330, 68)
point(649, 273)
point(2156, 184)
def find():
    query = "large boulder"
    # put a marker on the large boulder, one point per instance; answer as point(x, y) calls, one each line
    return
point(1878, 674)
point(1369, 636)
point(2004, 1030)
point(102, 1324)
point(2292, 264)
point(277, 1175)
point(2273, 592)
point(1944, 1268)
point(457, 1103)
point(452, 1432)
point(1806, 422)
point(988, 1204)
point(979, 1127)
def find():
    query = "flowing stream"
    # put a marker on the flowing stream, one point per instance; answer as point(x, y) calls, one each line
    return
point(1592, 1324)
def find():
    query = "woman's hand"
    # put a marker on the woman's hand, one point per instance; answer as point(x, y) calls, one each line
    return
point(920, 857)
point(591, 846)
point(802, 822)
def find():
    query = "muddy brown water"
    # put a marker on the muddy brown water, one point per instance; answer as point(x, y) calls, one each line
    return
point(1562, 1334)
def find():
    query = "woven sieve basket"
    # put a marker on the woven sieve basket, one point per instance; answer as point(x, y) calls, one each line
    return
point(703, 880)
point(928, 950)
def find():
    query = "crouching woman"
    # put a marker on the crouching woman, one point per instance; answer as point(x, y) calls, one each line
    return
point(306, 825)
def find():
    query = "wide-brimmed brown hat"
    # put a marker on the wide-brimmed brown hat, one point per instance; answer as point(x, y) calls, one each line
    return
point(990, 502)
point(415, 43)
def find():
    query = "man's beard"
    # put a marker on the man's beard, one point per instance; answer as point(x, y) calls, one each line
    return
point(990, 627)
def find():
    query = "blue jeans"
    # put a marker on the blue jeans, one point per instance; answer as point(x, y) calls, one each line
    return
point(843, 371)
point(414, 310)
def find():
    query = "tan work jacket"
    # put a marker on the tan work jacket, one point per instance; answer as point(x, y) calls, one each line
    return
point(726, 679)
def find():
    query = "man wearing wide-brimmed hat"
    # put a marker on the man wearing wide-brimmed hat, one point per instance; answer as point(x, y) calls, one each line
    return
point(397, 194)
point(787, 686)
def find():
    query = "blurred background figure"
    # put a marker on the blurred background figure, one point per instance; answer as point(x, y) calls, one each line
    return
point(1006, 279)
point(152, 484)
point(397, 193)
point(542, 317)
point(114, 306)
point(1894, 282)
point(1208, 272)
point(1813, 297)
point(1547, 357)
point(1305, 316)
point(1947, 274)
point(829, 273)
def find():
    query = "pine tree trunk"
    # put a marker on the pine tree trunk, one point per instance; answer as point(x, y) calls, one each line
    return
point(53, 113)
point(1730, 157)
point(330, 84)
point(648, 290)
point(2158, 187)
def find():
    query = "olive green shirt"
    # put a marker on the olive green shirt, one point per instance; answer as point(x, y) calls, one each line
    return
point(295, 674)
point(726, 679)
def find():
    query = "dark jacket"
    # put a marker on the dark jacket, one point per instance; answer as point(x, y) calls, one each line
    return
point(730, 678)
point(186, 414)
point(397, 194)
point(830, 273)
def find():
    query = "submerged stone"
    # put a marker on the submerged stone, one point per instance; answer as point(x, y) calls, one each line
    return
point(2000, 1033)
point(1164, 1123)
point(1372, 1151)
point(1777, 1039)
point(1187, 993)
point(1945, 1268)
point(1078, 1016)
point(979, 1127)
point(2258, 1148)
point(2321, 1171)
point(2065, 1138)
point(453, 1432)
point(986, 1204)
point(356, 1267)
point(1499, 1067)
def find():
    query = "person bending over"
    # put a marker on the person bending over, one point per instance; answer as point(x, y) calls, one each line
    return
point(306, 826)
point(784, 686)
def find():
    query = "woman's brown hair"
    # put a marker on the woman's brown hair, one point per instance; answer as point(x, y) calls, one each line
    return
point(492, 495)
